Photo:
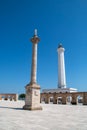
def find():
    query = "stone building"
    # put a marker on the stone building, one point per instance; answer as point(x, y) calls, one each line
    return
point(9, 96)
point(64, 98)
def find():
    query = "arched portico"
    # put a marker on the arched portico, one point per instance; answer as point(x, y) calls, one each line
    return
point(9, 97)
point(66, 97)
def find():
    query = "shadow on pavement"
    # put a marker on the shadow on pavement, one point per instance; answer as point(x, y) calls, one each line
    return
point(11, 108)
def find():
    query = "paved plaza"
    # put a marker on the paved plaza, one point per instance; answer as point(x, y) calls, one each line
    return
point(52, 117)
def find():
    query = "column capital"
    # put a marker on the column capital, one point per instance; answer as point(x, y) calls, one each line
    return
point(35, 39)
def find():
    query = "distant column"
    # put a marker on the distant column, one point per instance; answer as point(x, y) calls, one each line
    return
point(61, 67)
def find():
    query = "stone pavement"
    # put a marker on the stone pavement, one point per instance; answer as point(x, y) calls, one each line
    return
point(52, 117)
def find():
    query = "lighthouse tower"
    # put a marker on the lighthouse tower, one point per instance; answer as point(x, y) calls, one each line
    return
point(61, 67)
point(62, 88)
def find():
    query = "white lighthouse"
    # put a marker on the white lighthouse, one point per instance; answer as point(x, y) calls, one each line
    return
point(62, 88)
point(61, 67)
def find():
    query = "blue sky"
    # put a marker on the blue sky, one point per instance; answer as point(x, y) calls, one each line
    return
point(57, 21)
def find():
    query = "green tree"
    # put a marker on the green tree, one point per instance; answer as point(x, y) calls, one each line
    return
point(22, 96)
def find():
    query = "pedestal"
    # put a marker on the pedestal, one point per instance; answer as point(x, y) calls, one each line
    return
point(32, 100)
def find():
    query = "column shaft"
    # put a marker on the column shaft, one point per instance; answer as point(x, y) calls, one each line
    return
point(34, 63)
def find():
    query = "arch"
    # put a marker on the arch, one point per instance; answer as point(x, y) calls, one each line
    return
point(79, 99)
point(51, 99)
point(43, 99)
point(13, 98)
point(3, 97)
point(9, 97)
point(68, 99)
point(59, 100)
point(6, 98)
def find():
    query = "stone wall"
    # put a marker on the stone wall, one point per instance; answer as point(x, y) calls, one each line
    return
point(8, 96)
point(63, 98)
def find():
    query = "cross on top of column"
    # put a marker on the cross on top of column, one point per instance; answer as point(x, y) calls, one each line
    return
point(35, 32)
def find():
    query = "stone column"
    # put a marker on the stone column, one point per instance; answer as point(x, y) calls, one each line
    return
point(16, 97)
point(74, 99)
point(34, 64)
point(64, 99)
point(0, 97)
point(54, 98)
point(61, 68)
point(47, 98)
point(84, 98)
point(32, 100)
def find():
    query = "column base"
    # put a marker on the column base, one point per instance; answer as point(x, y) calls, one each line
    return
point(74, 103)
point(28, 107)
point(32, 100)
point(63, 103)
point(84, 103)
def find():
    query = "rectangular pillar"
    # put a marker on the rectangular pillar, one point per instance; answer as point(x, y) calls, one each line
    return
point(63, 100)
point(47, 100)
point(74, 100)
point(85, 98)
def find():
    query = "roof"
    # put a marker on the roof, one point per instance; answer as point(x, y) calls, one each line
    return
point(60, 46)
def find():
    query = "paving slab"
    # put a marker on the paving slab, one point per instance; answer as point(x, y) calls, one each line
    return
point(52, 117)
